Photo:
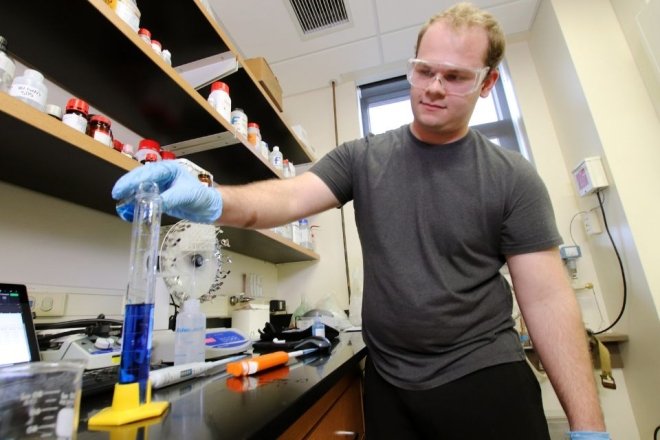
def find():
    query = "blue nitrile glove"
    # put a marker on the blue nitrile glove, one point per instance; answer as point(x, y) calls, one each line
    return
point(183, 196)
point(588, 435)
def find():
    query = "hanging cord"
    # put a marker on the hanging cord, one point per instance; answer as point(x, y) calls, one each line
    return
point(343, 221)
point(623, 274)
point(655, 433)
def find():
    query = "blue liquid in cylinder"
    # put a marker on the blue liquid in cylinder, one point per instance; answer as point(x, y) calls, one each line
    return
point(136, 348)
point(125, 209)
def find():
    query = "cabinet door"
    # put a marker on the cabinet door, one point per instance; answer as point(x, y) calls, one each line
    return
point(344, 419)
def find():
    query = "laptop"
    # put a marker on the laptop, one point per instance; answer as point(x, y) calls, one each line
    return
point(18, 339)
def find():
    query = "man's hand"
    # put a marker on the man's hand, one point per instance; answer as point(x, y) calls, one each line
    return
point(183, 196)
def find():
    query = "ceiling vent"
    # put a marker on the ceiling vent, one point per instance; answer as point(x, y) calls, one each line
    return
point(315, 16)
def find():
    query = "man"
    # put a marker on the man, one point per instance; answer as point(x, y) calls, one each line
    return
point(444, 360)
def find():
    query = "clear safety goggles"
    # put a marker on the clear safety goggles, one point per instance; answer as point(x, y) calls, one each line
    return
point(455, 80)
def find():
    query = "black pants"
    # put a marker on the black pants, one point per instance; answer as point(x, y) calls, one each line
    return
point(500, 402)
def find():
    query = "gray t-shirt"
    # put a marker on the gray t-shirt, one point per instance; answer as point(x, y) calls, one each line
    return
point(435, 223)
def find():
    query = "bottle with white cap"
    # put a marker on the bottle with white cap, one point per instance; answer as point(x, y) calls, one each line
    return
point(276, 158)
point(190, 333)
point(30, 88)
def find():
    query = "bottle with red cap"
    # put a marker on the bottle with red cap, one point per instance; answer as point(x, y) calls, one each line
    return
point(167, 155)
point(148, 151)
point(145, 35)
point(220, 100)
point(99, 129)
point(76, 114)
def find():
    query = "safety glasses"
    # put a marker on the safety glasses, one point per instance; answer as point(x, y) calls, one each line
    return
point(455, 80)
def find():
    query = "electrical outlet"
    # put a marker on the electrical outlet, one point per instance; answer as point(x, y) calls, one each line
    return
point(591, 223)
point(48, 304)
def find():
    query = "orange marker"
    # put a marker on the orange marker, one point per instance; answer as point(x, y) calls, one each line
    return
point(263, 362)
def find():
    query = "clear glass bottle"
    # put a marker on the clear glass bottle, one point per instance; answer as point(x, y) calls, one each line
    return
point(7, 66)
point(145, 212)
point(30, 88)
point(190, 333)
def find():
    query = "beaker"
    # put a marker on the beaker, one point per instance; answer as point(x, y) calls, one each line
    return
point(140, 293)
point(40, 399)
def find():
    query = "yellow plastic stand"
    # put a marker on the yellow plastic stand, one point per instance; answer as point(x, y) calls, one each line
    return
point(130, 431)
point(126, 407)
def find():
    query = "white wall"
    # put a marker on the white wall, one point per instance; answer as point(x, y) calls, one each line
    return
point(599, 105)
point(57, 247)
point(317, 280)
point(550, 163)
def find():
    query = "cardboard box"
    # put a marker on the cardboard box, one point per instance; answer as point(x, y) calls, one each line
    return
point(261, 71)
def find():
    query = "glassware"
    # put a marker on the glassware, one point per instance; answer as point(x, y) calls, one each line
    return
point(140, 294)
point(40, 399)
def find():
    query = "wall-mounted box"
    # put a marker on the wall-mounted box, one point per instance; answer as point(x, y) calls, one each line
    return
point(589, 176)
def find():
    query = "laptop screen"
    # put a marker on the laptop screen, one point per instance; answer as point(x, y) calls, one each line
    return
point(18, 339)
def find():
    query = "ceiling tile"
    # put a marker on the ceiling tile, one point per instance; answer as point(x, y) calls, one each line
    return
point(266, 28)
point(381, 37)
point(316, 70)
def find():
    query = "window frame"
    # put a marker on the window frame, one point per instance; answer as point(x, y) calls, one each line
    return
point(397, 88)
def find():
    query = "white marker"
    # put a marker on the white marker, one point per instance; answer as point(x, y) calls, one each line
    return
point(170, 375)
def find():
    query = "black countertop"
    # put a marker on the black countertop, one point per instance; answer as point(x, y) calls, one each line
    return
point(221, 407)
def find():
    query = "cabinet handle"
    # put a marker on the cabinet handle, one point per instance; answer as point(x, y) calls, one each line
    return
point(353, 434)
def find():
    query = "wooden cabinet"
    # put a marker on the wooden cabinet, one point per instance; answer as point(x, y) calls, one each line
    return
point(90, 52)
point(337, 415)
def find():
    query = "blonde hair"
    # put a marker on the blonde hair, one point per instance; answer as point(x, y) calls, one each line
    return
point(466, 15)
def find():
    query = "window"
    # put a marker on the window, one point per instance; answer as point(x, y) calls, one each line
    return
point(386, 105)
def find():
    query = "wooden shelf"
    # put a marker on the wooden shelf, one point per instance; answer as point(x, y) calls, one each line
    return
point(91, 53)
point(42, 154)
point(267, 245)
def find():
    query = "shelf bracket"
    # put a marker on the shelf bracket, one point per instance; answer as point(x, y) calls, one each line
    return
point(190, 146)
point(203, 72)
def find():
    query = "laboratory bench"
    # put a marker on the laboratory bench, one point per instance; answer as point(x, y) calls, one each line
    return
point(310, 397)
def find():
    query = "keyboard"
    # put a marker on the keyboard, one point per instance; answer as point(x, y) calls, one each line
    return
point(99, 380)
point(103, 380)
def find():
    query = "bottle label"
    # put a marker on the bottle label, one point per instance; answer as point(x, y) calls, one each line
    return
point(76, 121)
point(26, 92)
point(239, 121)
point(253, 138)
point(104, 138)
point(221, 102)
